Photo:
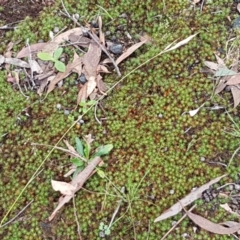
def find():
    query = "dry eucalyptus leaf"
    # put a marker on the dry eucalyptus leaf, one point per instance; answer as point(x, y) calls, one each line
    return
point(220, 61)
point(228, 209)
point(43, 84)
point(35, 67)
point(91, 59)
point(211, 65)
point(63, 187)
point(16, 62)
point(91, 85)
point(130, 50)
point(33, 48)
point(236, 94)
point(78, 68)
point(61, 38)
point(234, 80)
point(82, 94)
point(50, 47)
point(210, 226)
point(238, 7)
point(191, 197)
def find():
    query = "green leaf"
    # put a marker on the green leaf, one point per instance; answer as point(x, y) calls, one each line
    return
point(78, 170)
point(82, 103)
point(224, 72)
point(107, 231)
point(45, 56)
point(103, 150)
point(58, 53)
point(101, 173)
point(87, 150)
point(91, 102)
point(77, 162)
point(79, 146)
point(60, 66)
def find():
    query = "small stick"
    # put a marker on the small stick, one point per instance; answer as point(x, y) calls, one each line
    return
point(10, 221)
point(180, 220)
point(75, 214)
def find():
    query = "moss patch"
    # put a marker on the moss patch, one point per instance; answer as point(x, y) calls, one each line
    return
point(157, 148)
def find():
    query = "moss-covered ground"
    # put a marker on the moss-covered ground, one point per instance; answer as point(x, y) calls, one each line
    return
point(158, 150)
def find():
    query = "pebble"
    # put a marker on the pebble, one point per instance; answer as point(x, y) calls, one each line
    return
point(66, 112)
point(56, 30)
point(123, 15)
point(76, 16)
point(94, 24)
point(202, 159)
point(171, 191)
point(116, 48)
point(236, 23)
point(58, 106)
point(160, 115)
point(82, 79)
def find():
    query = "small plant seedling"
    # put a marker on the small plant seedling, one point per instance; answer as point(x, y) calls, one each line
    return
point(84, 151)
point(60, 66)
point(85, 105)
point(104, 230)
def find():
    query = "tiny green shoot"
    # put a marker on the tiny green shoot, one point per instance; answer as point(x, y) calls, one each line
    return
point(60, 66)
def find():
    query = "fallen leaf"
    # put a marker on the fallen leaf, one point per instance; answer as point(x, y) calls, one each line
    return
point(236, 94)
point(102, 87)
point(210, 226)
point(79, 40)
point(61, 38)
point(78, 68)
point(91, 60)
point(91, 84)
point(16, 62)
point(238, 7)
point(130, 50)
point(62, 75)
point(50, 48)
point(191, 197)
point(234, 80)
point(220, 61)
point(78, 181)
point(63, 187)
point(102, 68)
point(34, 48)
point(82, 94)
point(35, 66)
point(43, 84)
point(228, 209)
point(211, 65)
point(221, 72)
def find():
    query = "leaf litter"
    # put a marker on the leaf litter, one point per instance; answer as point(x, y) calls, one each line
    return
point(227, 76)
point(92, 64)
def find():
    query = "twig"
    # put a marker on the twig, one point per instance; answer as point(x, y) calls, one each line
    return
point(10, 221)
point(117, 209)
point(175, 225)
point(95, 114)
point(30, 61)
point(75, 214)
point(149, 229)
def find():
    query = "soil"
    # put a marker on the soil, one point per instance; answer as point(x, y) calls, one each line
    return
point(14, 11)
